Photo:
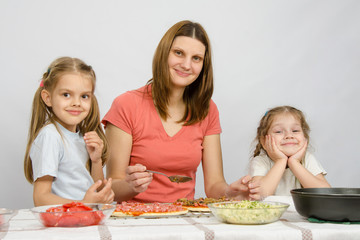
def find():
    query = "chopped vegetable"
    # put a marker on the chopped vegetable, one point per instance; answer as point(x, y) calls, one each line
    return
point(248, 212)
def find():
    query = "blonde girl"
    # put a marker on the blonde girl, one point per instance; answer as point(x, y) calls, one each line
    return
point(281, 161)
point(67, 147)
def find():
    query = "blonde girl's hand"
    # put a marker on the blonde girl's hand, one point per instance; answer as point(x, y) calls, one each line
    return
point(299, 155)
point(137, 178)
point(94, 145)
point(105, 195)
point(272, 150)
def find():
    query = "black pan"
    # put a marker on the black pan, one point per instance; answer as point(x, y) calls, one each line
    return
point(334, 204)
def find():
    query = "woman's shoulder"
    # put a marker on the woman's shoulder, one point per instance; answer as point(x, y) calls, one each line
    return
point(132, 95)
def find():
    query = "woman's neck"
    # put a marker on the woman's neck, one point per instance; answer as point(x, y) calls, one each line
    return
point(176, 98)
point(176, 105)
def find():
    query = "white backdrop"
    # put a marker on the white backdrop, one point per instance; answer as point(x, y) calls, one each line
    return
point(266, 53)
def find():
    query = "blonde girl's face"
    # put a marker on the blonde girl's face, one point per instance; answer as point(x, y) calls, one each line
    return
point(70, 100)
point(287, 133)
point(185, 61)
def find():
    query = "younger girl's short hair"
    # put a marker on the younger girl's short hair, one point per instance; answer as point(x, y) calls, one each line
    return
point(268, 118)
point(43, 115)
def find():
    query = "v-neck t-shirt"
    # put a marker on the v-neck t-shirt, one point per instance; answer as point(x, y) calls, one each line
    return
point(134, 112)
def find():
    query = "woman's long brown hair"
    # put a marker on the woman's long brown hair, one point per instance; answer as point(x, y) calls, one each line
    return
point(197, 95)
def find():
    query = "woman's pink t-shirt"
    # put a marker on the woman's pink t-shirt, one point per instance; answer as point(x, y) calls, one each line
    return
point(134, 112)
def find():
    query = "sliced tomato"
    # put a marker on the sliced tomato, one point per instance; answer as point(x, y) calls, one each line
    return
point(49, 219)
point(74, 214)
point(69, 220)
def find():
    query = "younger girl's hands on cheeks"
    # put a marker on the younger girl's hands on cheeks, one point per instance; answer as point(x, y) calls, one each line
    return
point(272, 149)
point(243, 189)
point(94, 146)
point(105, 195)
point(299, 155)
point(137, 178)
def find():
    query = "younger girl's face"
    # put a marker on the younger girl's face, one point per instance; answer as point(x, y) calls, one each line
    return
point(185, 60)
point(287, 133)
point(70, 100)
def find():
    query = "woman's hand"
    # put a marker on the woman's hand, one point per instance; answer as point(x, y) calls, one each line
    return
point(137, 178)
point(272, 150)
point(105, 195)
point(94, 146)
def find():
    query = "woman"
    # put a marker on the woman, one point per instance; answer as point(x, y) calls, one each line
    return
point(170, 125)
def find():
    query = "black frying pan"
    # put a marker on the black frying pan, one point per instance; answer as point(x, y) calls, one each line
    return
point(334, 204)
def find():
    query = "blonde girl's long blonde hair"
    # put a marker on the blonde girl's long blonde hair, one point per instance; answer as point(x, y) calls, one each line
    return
point(42, 114)
point(197, 95)
point(268, 118)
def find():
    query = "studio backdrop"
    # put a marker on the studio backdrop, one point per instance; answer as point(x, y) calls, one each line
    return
point(265, 53)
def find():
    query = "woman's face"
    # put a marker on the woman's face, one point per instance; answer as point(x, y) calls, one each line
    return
point(287, 133)
point(185, 61)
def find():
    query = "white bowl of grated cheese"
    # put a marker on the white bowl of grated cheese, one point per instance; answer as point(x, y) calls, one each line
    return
point(248, 212)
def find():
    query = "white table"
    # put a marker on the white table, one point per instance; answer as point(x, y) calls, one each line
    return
point(290, 226)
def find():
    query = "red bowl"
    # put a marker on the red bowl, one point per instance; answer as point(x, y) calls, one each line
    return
point(98, 214)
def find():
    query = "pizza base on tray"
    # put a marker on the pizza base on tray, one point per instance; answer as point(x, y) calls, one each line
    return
point(135, 209)
point(197, 209)
point(149, 214)
point(200, 204)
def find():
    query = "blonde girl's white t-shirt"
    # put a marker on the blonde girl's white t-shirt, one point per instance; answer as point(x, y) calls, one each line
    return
point(64, 158)
point(261, 165)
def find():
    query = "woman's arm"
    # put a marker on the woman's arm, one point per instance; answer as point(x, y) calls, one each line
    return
point(214, 180)
point(127, 181)
point(215, 184)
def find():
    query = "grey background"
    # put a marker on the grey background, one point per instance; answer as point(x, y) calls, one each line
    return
point(266, 53)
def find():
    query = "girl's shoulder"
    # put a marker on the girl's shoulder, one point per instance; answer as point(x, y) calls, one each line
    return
point(48, 135)
point(49, 129)
point(262, 158)
point(309, 157)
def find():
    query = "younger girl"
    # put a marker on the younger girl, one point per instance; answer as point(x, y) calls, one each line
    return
point(281, 161)
point(67, 148)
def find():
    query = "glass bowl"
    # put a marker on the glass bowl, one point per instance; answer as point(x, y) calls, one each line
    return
point(6, 215)
point(58, 217)
point(248, 212)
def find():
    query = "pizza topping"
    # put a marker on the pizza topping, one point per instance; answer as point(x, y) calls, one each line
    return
point(137, 209)
point(200, 202)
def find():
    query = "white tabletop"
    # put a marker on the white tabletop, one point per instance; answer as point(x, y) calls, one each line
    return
point(290, 226)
